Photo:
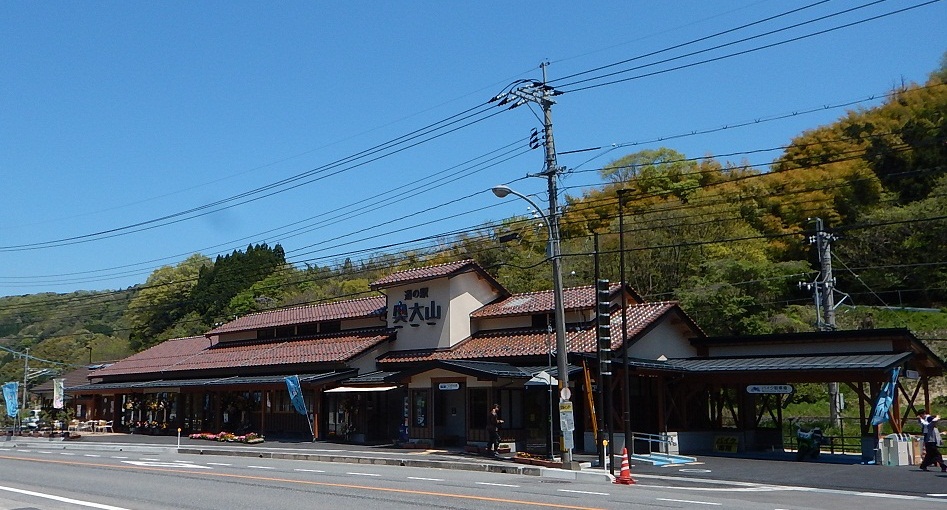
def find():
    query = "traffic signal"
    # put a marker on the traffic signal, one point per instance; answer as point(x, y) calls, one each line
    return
point(603, 305)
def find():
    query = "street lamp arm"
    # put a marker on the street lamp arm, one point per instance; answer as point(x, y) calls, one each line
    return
point(502, 191)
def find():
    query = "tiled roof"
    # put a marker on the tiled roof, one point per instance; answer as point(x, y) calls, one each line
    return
point(827, 362)
point(321, 378)
point(504, 344)
point(351, 309)
point(157, 358)
point(72, 378)
point(431, 272)
point(186, 355)
point(574, 298)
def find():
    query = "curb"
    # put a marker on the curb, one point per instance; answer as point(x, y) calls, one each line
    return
point(382, 461)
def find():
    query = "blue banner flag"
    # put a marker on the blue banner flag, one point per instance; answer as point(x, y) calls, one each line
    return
point(296, 395)
point(885, 398)
point(11, 394)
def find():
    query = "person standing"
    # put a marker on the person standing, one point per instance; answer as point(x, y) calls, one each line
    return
point(932, 441)
point(493, 430)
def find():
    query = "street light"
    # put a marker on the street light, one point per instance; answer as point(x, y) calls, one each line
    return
point(562, 350)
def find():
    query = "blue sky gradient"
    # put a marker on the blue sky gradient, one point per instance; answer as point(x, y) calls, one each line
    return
point(128, 129)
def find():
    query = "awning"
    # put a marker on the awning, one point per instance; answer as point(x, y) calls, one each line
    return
point(359, 389)
point(178, 384)
point(542, 379)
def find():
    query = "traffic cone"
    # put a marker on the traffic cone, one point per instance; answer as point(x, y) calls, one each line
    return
point(624, 477)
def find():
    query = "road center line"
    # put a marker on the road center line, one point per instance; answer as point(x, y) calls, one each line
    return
point(363, 474)
point(425, 479)
point(62, 499)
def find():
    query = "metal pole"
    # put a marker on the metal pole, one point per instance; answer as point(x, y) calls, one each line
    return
point(26, 369)
point(602, 427)
point(626, 383)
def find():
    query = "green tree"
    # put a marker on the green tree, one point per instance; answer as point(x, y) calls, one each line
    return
point(162, 301)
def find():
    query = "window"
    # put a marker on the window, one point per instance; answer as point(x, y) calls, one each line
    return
point(479, 407)
point(307, 329)
point(285, 331)
point(265, 334)
point(330, 327)
point(542, 321)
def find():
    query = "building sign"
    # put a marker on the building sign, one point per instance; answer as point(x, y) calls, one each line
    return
point(412, 310)
point(448, 386)
point(726, 444)
point(770, 389)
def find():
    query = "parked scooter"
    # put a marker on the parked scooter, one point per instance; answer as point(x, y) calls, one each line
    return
point(809, 443)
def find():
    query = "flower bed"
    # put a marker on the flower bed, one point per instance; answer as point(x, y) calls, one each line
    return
point(229, 437)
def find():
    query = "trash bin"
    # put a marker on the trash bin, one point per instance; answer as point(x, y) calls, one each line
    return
point(897, 450)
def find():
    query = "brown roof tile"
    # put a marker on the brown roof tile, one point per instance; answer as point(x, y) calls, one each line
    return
point(350, 309)
point(185, 355)
point(519, 343)
point(573, 298)
point(447, 270)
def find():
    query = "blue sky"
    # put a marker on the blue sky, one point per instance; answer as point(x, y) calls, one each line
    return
point(129, 129)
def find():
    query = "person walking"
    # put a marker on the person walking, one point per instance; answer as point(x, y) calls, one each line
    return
point(493, 430)
point(932, 441)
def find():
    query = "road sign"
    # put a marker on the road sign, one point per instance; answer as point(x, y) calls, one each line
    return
point(770, 389)
point(566, 418)
point(565, 393)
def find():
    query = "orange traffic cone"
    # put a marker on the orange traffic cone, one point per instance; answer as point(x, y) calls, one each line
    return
point(624, 477)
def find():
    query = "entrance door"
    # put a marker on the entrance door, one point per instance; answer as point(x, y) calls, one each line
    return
point(450, 414)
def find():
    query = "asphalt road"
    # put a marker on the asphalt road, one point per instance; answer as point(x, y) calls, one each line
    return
point(122, 474)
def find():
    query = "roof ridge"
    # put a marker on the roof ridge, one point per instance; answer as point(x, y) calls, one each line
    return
point(310, 305)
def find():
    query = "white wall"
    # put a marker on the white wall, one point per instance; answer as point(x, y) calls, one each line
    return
point(664, 339)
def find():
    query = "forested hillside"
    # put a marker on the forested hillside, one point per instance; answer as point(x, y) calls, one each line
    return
point(725, 239)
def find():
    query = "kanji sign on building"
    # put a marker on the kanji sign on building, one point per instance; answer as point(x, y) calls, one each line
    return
point(414, 312)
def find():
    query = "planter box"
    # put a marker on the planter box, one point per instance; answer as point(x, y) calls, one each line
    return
point(538, 462)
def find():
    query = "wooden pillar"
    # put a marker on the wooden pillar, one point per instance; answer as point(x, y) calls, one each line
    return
point(662, 403)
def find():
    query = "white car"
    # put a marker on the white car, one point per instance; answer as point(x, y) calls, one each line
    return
point(32, 420)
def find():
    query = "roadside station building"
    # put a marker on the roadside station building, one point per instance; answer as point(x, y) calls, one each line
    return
point(425, 359)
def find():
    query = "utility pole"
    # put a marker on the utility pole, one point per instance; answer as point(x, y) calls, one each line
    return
point(823, 292)
point(530, 91)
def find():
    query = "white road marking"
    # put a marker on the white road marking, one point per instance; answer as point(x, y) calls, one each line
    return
point(62, 499)
point(497, 484)
point(688, 501)
point(261, 467)
point(425, 479)
point(150, 459)
point(585, 492)
point(218, 464)
point(938, 495)
point(310, 470)
point(760, 488)
point(363, 474)
point(118, 457)
point(91, 455)
point(64, 453)
point(180, 464)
